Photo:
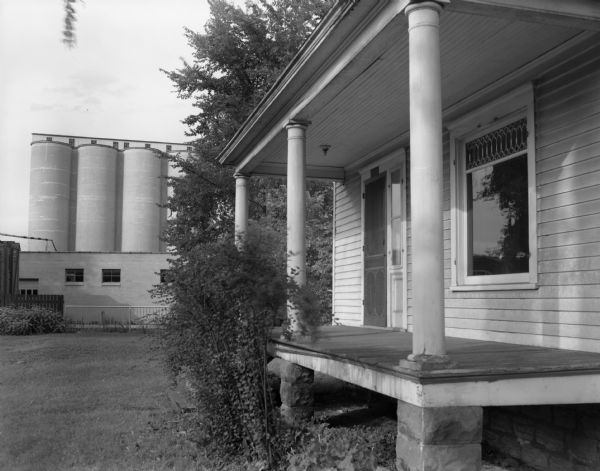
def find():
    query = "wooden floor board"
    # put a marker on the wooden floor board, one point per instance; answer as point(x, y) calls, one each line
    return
point(383, 348)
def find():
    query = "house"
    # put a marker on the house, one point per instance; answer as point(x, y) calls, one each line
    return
point(463, 140)
point(96, 214)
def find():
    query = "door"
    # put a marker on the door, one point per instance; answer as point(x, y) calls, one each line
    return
point(375, 252)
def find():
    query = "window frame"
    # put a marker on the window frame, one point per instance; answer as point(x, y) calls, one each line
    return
point(111, 281)
point(494, 115)
point(75, 281)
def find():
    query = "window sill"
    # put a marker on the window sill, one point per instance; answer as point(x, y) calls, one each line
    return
point(111, 283)
point(74, 283)
point(496, 287)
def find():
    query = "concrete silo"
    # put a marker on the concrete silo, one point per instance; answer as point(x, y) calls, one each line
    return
point(49, 193)
point(141, 214)
point(96, 198)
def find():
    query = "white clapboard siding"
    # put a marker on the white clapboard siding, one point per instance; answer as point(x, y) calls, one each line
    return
point(347, 248)
point(564, 312)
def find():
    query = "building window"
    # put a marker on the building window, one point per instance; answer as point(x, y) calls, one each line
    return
point(147, 146)
point(71, 141)
point(29, 292)
point(169, 147)
point(115, 144)
point(111, 275)
point(94, 141)
point(494, 179)
point(126, 145)
point(74, 275)
point(164, 276)
point(49, 139)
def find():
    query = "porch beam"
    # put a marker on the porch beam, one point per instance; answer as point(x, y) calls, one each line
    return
point(581, 14)
point(241, 208)
point(426, 186)
point(296, 219)
point(312, 171)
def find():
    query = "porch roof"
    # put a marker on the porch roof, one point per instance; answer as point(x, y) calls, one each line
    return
point(485, 373)
point(350, 80)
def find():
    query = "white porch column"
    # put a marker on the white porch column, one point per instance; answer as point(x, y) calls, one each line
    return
point(426, 184)
point(241, 208)
point(296, 244)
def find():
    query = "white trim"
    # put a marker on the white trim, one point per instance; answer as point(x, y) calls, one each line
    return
point(570, 388)
point(499, 112)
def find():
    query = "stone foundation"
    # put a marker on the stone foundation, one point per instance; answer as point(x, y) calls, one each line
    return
point(546, 438)
point(438, 438)
point(297, 401)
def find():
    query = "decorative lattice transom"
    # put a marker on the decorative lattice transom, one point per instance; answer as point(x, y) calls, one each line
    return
point(497, 144)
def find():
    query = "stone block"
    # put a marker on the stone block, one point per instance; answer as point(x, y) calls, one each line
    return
point(542, 413)
point(295, 415)
point(413, 456)
point(565, 417)
point(440, 425)
point(559, 463)
point(294, 395)
point(550, 438)
point(590, 426)
point(584, 450)
point(293, 373)
point(534, 457)
point(524, 429)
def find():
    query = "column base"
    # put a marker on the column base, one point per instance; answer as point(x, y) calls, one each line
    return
point(438, 438)
point(427, 362)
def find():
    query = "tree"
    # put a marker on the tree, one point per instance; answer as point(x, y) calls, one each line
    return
point(235, 61)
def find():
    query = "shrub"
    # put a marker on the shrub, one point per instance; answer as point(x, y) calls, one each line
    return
point(356, 448)
point(225, 302)
point(27, 321)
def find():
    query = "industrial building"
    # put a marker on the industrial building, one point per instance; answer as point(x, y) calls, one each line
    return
point(99, 203)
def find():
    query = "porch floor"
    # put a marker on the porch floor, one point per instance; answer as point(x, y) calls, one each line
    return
point(484, 372)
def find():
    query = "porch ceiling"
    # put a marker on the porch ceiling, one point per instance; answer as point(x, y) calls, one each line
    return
point(363, 112)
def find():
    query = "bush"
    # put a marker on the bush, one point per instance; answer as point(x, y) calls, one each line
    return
point(27, 321)
point(356, 448)
point(225, 302)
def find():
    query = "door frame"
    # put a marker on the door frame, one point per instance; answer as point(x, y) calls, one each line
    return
point(394, 161)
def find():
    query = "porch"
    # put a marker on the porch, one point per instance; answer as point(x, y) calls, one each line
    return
point(483, 373)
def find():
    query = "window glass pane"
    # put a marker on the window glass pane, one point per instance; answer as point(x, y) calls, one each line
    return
point(111, 275)
point(396, 243)
point(498, 218)
point(74, 275)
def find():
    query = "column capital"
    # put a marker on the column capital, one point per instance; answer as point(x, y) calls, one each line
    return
point(242, 176)
point(297, 123)
point(430, 4)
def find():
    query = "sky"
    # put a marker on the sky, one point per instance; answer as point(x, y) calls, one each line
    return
point(109, 85)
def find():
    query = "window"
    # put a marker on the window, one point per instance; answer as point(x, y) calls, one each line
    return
point(169, 147)
point(115, 144)
point(74, 275)
point(111, 275)
point(49, 139)
point(94, 141)
point(72, 141)
point(494, 227)
point(126, 145)
point(147, 146)
point(29, 292)
point(164, 276)
point(189, 148)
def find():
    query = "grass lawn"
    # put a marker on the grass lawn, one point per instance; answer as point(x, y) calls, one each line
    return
point(87, 401)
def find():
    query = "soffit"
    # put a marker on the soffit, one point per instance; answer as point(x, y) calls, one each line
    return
point(367, 105)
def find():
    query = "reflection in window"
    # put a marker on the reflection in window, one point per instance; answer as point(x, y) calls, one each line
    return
point(498, 218)
point(396, 244)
